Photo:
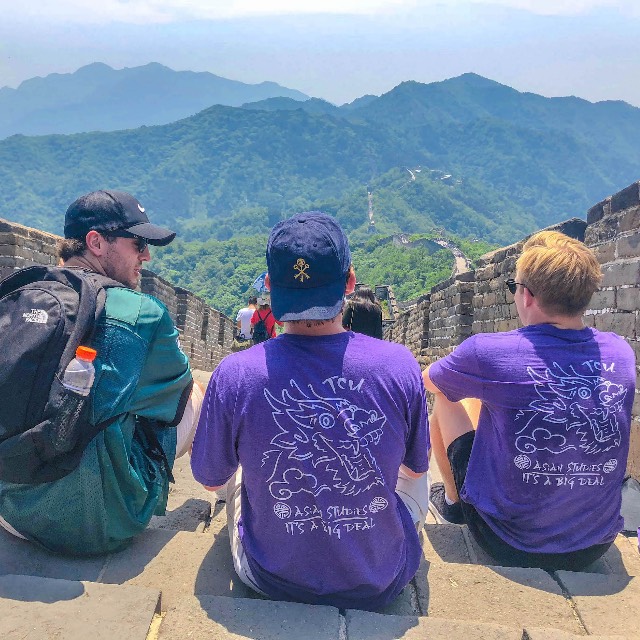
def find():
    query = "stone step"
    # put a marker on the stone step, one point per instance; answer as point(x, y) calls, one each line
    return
point(225, 619)
point(183, 564)
point(454, 544)
point(186, 555)
point(35, 608)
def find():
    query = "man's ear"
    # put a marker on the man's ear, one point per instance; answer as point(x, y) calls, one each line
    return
point(267, 282)
point(351, 282)
point(528, 299)
point(95, 243)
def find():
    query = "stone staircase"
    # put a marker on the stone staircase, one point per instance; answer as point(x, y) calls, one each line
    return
point(177, 581)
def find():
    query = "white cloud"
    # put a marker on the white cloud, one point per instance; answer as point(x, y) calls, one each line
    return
point(165, 11)
point(563, 7)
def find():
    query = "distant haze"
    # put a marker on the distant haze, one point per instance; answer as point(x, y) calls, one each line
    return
point(338, 51)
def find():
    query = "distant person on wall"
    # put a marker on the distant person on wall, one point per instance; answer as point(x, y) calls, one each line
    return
point(320, 437)
point(143, 388)
point(263, 322)
point(363, 313)
point(243, 325)
point(530, 428)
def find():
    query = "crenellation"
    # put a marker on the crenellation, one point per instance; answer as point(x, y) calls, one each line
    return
point(625, 199)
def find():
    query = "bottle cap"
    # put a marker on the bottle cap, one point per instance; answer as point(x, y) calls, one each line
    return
point(86, 353)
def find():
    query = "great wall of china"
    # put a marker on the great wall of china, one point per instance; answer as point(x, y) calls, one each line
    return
point(469, 302)
point(176, 580)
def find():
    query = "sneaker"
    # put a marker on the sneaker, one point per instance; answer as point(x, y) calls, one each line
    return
point(444, 513)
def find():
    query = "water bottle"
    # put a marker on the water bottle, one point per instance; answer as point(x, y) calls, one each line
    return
point(79, 374)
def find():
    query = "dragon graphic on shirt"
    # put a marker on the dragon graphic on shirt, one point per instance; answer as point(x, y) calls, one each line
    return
point(323, 444)
point(586, 405)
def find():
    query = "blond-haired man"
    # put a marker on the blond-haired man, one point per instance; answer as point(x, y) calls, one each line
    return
point(530, 427)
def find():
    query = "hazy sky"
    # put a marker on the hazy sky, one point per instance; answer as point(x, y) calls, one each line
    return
point(338, 49)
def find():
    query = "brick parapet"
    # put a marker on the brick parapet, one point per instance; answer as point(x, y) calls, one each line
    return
point(613, 233)
point(205, 333)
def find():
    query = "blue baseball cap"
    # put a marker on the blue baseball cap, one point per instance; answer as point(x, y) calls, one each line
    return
point(308, 259)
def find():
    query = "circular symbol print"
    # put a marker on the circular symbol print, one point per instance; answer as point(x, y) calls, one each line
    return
point(522, 461)
point(378, 504)
point(282, 510)
point(610, 465)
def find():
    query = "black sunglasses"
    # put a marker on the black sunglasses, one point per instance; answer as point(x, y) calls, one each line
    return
point(512, 285)
point(141, 243)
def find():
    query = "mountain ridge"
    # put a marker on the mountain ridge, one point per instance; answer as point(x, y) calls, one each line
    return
point(514, 161)
point(98, 97)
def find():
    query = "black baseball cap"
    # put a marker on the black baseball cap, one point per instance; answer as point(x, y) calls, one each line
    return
point(112, 211)
point(308, 259)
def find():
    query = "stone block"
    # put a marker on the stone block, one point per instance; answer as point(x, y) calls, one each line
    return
point(603, 299)
point(604, 602)
point(621, 323)
point(621, 273)
point(233, 619)
point(494, 595)
point(35, 608)
point(630, 220)
point(365, 625)
point(627, 299)
point(446, 543)
point(179, 563)
point(533, 633)
point(21, 557)
point(629, 245)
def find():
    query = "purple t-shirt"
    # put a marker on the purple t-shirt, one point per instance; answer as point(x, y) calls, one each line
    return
point(551, 447)
point(320, 426)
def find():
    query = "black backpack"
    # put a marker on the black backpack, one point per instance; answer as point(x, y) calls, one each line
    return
point(45, 314)
point(260, 333)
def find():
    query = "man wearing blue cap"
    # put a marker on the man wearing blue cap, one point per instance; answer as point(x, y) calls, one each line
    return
point(143, 391)
point(321, 438)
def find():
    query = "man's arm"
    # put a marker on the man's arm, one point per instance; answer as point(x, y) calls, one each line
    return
point(428, 383)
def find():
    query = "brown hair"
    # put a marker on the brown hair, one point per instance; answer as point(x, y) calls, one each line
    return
point(70, 247)
point(563, 273)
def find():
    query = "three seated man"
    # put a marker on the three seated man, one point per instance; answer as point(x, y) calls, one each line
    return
point(320, 438)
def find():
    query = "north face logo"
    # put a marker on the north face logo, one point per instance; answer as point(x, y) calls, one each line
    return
point(36, 315)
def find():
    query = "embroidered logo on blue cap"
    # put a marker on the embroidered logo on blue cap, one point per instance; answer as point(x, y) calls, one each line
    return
point(301, 267)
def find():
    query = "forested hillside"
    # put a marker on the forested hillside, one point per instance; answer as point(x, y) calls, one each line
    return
point(467, 156)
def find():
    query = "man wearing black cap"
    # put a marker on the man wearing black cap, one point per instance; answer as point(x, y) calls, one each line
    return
point(321, 438)
point(142, 382)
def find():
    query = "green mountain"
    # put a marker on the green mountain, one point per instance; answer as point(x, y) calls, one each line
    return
point(516, 161)
point(99, 98)
point(466, 156)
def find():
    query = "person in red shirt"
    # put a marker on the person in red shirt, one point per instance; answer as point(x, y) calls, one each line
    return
point(263, 312)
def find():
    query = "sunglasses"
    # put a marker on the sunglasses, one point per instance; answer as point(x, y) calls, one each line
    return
point(512, 285)
point(141, 243)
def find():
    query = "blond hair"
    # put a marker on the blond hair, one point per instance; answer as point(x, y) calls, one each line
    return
point(563, 273)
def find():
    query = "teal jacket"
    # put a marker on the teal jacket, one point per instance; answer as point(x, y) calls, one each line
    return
point(110, 497)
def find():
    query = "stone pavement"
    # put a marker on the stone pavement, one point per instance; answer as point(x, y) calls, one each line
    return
point(177, 581)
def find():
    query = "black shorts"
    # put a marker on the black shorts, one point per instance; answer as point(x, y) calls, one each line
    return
point(459, 452)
